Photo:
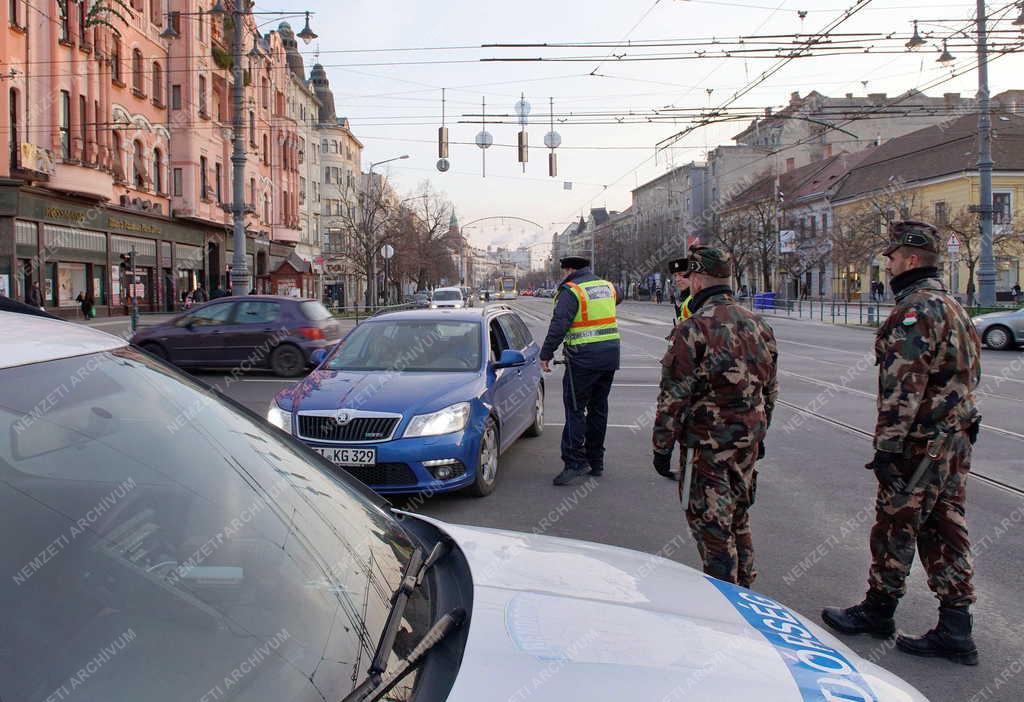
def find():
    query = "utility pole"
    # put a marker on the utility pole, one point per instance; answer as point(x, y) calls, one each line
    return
point(987, 269)
point(240, 281)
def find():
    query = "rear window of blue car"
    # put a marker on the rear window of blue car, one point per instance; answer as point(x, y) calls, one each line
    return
point(410, 345)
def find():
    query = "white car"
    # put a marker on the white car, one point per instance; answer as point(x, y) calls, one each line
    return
point(164, 543)
point(448, 297)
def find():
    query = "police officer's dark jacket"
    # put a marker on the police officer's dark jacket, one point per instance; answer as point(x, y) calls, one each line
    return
point(600, 356)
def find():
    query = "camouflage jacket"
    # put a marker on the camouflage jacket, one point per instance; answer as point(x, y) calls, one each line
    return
point(929, 362)
point(718, 379)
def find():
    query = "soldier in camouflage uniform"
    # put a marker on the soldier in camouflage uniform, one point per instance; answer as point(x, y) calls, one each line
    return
point(718, 390)
point(928, 356)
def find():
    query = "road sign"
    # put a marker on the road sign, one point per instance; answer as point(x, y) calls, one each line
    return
point(953, 244)
point(387, 251)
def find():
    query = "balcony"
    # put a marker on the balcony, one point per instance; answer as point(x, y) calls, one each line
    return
point(285, 235)
point(82, 180)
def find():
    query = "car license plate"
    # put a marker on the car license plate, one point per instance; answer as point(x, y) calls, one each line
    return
point(349, 456)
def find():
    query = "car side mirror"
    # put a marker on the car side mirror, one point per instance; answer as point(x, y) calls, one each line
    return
point(510, 358)
point(318, 356)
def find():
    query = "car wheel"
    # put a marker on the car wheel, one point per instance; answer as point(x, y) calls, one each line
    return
point(999, 338)
point(287, 361)
point(537, 428)
point(154, 349)
point(487, 462)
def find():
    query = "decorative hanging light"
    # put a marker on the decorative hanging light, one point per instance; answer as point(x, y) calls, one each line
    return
point(552, 140)
point(916, 42)
point(483, 139)
point(523, 111)
point(945, 57)
point(307, 35)
point(443, 164)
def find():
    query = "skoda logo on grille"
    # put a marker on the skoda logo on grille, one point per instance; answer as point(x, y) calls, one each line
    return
point(343, 417)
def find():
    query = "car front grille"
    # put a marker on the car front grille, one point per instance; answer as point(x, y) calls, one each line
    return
point(382, 474)
point(358, 429)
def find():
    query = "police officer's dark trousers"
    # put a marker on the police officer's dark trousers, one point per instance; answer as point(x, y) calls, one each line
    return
point(585, 426)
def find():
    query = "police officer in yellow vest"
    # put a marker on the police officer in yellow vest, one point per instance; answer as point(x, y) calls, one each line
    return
point(584, 321)
point(678, 267)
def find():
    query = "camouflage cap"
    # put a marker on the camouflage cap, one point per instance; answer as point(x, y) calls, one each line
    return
point(920, 235)
point(709, 261)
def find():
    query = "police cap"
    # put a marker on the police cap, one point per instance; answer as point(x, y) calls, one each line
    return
point(576, 262)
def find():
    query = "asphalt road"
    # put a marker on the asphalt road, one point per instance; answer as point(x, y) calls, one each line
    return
point(815, 501)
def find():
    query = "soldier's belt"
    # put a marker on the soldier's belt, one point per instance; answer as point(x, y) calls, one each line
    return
point(931, 456)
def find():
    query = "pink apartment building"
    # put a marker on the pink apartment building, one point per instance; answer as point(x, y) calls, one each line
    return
point(121, 141)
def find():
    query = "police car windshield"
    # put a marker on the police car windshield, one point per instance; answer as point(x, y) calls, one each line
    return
point(156, 523)
point(410, 345)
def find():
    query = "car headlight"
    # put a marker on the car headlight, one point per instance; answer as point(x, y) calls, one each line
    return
point(458, 305)
point(976, 320)
point(433, 306)
point(450, 419)
point(279, 418)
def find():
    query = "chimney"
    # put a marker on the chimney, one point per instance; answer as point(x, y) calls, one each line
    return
point(951, 99)
point(794, 97)
point(876, 98)
point(849, 96)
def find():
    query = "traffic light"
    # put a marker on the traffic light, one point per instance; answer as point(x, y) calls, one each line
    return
point(128, 261)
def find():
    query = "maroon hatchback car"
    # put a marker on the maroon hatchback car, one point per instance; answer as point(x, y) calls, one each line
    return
point(260, 331)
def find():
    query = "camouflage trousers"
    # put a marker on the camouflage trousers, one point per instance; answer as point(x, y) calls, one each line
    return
point(724, 483)
point(931, 518)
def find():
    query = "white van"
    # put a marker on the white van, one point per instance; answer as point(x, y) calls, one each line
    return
point(447, 297)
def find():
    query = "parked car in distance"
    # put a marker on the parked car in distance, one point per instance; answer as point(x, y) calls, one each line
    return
point(1001, 331)
point(421, 299)
point(448, 297)
point(264, 331)
point(216, 543)
point(421, 399)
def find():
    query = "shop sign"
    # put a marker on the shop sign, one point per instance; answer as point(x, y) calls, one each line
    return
point(65, 214)
point(126, 226)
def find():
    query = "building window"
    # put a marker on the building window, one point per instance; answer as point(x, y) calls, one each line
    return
point(82, 124)
point(158, 171)
point(175, 97)
point(158, 83)
point(266, 208)
point(116, 163)
point(155, 15)
point(13, 125)
point(941, 214)
point(824, 223)
point(175, 20)
point(265, 93)
point(203, 186)
point(200, 24)
point(202, 96)
point(218, 175)
point(115, 60)
point(252, 127)
point(139, 179)
point(65, 124)
point(176, 184)
point(14, 13)
point(63, 28)
point(252, 192)
point(137, 73)
point(266, 152)
point(790, 164)
point(80, 19)
point(1002, 208)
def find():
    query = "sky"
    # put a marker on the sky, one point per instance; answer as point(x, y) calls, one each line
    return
point(395, 106)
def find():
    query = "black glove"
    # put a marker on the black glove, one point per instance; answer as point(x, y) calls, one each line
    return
point(972, 431)
point(663, 464)
point(760, 450)
point(888, 473)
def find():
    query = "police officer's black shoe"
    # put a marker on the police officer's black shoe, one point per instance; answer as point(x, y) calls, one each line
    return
point(596, 471)
point(872, 616)
point(950, 639)
point(568, 475)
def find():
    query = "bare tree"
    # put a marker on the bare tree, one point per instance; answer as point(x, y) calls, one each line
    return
point(431, 240)
point(733, 234)
point(362, 222)
point(967, 227)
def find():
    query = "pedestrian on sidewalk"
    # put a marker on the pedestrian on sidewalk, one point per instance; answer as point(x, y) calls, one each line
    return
point(85, 302)
point(929, 364)
point(659, 295)
point(584, 324)
point(34, 297)
point(717, 395)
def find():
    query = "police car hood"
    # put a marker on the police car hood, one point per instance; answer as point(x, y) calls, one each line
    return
point(558, 619)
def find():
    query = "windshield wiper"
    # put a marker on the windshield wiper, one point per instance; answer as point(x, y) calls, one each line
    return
point(412, 577)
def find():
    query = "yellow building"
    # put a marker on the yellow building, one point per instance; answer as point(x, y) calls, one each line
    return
point(932, 175)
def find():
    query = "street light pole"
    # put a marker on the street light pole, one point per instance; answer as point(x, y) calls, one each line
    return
point(987, 269)
point(240, 280)
point(371, 287)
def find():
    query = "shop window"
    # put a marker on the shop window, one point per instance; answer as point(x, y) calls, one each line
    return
point(99, 284)
point(49, 287)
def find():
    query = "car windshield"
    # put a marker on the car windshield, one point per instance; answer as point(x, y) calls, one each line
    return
point(447, 295)
point(422, 296)
point(410, 345)
point(169, 547)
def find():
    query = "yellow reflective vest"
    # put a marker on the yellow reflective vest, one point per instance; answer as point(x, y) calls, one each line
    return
point(595, 313)
point(684, 309)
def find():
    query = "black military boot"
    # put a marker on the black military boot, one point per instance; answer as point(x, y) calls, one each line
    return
point(568, 475)
point(950, 639)
point(872, 616)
